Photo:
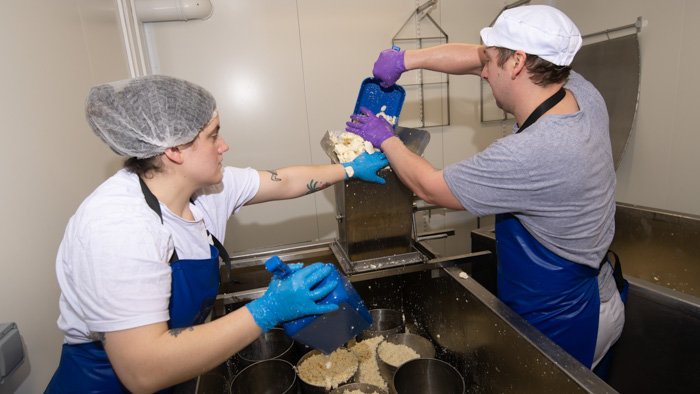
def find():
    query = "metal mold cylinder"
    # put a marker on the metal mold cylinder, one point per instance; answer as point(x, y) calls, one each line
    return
point(385, 322)
point(428, 376)
point(363, 388)
point(269, 376)
point(309, 387)
point(417, 343)
point(273, 344)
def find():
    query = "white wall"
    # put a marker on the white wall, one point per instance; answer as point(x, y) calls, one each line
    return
point(52, 52)
point(660, 166)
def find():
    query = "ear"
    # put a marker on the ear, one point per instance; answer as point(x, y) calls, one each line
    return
point(174, 155)
point(518, 63)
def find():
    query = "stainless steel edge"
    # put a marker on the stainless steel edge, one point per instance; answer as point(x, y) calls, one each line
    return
point(569, 365)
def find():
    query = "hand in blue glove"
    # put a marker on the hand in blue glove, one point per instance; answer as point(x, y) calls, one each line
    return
point(389, 67)
point(291, 298)
point(370, 127)
point(365, 167)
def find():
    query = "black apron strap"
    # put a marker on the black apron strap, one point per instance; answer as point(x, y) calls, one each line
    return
point(617, 272)
point(153, 203)
point(225, 257)
point(223, 254)
point(617, 269)
point(151, 200)
point(544, 107)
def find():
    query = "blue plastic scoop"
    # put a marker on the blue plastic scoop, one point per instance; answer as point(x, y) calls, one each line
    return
point(328, 331)
point(377, 99)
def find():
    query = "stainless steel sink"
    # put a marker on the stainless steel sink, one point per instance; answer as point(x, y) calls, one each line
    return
point(494, 349)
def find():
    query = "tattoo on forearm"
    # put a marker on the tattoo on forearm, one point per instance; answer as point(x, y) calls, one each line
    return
point(316, 186)
point(274, 176)
point(176, 331)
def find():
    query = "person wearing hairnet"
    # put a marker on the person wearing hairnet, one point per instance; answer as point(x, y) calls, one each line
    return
point(138, 266)
point(551, 183)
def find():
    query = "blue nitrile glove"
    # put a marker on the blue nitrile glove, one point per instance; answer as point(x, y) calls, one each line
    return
point(389, 67)
point(365, 167)
point(370, 127)
point(292, 298)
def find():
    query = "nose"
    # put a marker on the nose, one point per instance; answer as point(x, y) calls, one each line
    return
point(224, 146)
point(484, 75)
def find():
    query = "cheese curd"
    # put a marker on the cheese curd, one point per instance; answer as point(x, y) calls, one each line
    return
point(390, 119)
point(349, 145)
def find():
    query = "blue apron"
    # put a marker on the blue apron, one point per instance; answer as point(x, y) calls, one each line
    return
point(85, 368)
point(558, 297)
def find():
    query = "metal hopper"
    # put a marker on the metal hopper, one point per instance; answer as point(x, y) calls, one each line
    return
point(375, 222)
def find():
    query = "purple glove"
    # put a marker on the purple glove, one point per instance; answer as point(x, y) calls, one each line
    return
point(389, 67)
point(370, 127)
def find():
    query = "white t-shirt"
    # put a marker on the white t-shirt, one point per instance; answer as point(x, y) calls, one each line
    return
point(112, 265)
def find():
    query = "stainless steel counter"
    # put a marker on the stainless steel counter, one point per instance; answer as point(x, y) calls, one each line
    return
point(659, 247)
point(659, 350)
point(493, 348)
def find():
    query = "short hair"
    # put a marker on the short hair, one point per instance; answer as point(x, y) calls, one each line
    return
point(141, 167)
point(542, 72)
point(150, 165)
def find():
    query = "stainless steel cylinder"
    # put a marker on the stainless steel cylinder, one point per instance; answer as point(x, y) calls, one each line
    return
point(385, 322)
point(428, 376)
point(272, 344)
point(269, 376)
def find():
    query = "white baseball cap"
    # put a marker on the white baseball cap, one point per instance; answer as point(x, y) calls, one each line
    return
point(537, 30)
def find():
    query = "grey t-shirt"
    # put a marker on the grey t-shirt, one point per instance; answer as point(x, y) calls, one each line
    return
point(557, 177)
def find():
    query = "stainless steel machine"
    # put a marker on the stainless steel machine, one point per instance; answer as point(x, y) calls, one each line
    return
point(375, 222)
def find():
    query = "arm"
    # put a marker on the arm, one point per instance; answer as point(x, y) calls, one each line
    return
point(419, 175)
point(291, 182)
point(455, 58)
point(447, 58)
point(297, 181)
point(151, 357)
point(414, 171)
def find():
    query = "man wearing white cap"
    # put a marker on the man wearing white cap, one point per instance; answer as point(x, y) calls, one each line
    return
point(551, 184)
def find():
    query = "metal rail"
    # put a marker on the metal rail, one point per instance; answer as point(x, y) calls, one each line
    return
point(368, 269)
point(637, 25)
